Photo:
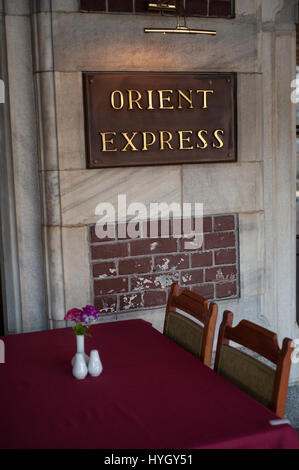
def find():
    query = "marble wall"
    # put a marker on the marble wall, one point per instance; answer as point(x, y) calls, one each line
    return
point(48, 48)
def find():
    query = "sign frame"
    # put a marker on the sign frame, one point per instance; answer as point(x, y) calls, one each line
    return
point(94, 162)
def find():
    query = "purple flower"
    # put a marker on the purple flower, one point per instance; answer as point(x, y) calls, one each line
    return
point(83, 318)
point(91, 312)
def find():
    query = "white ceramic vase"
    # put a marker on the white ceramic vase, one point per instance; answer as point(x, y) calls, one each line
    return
point(80, 368)
point(95, 366)
point(80, 349)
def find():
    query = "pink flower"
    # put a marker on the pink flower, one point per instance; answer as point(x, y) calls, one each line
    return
point(74, 314)
point(83, 318)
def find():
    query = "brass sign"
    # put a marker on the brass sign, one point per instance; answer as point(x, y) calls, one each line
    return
point(159, 118)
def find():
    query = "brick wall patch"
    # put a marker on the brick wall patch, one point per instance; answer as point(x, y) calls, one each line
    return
point(136, 274)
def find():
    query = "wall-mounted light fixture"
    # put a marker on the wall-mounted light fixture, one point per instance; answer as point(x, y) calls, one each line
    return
point(171, 5)
point(162, 5)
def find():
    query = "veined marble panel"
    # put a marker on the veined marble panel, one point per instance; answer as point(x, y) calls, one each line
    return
point(82, 191)
point(70, 120)
point(65, 5)
point(50, 198)
point(47, 121)
point(285, 188)
point(77, 286)
point(42, 30)
point(88, 42)
point(17, 7)
point(246, 7)
point(54, 272)
point(249, 117)
point(224, 188)
point(252, 270)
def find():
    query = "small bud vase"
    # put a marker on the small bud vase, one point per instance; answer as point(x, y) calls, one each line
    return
point(80, 368)
point(95, 365)
point(80, 349)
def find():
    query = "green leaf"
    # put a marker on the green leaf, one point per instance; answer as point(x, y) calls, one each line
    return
point(79, 329)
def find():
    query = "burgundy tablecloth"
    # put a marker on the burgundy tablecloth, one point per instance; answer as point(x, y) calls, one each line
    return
point(151, 394)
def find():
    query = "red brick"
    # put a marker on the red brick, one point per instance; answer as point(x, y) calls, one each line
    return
point(186, 242)
point(219, 240)
point(106, 304)
point(135, 266)
point(130, 301)
point(110, 286)
point(207, 224)
point(224, 222)
point(192, 276)
point(225, 256)
point(205, 221)
point(154, 298)
point(155, 228)
point(205, 290)
point(144, 229)
point(154, 281)
point(179, 228)
point(150, 288)
point(153, 245)
point(122, 231)
point(109, 250)
point(104, 269)
point(95, 239)
point(226, 289)
point(221, 273)
point(169, 262)
point(201, 259)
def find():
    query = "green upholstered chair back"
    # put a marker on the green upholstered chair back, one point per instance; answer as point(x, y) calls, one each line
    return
point(267, 385)
point(189, 334)
point(247, 373)
point(185, 332)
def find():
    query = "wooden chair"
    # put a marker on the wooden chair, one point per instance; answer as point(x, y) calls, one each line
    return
point(190, 335)
point(267, 385)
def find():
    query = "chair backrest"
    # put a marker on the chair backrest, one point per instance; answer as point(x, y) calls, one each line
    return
point(266, 384)
point(187, 333)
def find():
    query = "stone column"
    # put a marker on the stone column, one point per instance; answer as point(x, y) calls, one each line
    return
point(24, 155)
point(49, 171)
point(8, 235)
point(278, 54)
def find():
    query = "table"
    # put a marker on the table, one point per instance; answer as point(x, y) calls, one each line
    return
point(152, 394)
